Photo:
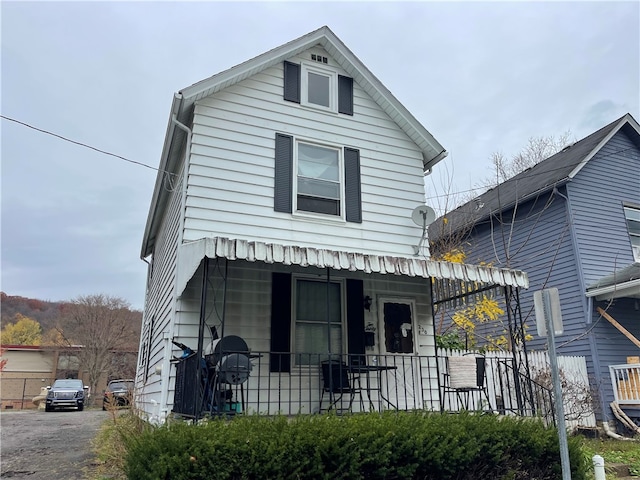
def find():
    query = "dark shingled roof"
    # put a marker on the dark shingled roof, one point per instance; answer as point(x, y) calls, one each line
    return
point(544, 176)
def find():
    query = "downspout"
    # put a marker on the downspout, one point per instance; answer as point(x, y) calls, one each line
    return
point(166, 364)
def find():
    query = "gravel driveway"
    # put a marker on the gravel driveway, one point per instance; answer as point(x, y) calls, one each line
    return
point(48, 446)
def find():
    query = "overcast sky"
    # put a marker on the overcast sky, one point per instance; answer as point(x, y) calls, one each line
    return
point(481, 77)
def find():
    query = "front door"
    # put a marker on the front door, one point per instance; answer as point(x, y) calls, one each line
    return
point(398, 348)
point(397, 326)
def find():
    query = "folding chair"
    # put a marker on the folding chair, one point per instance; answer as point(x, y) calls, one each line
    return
point(336, 383)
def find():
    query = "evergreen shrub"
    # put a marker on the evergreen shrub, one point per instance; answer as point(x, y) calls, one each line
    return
point(390, 445)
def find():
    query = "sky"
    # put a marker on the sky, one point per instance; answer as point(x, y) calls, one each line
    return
point(481, 77)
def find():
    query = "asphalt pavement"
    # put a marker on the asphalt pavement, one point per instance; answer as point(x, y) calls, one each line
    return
point(41, 445)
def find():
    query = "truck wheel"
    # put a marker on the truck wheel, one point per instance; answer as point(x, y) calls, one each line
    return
point(80, 408)
point(47, 408)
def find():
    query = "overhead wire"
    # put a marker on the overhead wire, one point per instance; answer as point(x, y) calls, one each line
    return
point(75, 142)
point(529, 175)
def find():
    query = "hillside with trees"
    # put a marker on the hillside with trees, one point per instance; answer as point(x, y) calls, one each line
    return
point(105, 327)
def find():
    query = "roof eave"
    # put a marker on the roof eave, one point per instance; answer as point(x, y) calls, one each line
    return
point(432, 150)
point(623, 121)
point(619, 290)
point(151, 225)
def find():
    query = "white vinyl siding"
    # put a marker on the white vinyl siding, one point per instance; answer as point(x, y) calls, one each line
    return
point(231, 174)
point(159, 304)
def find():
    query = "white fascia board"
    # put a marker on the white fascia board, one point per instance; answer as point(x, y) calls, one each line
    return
point(627, 289)
point(432, 150)
point(150, 227)
point(626, 119)
point(358, 70)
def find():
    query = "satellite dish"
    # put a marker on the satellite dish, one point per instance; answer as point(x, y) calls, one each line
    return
point(423, 215)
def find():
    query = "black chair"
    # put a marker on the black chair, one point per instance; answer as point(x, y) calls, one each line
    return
point(466, 375)
point(336, 382)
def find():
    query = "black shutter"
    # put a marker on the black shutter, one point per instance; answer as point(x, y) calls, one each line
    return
point(280, 322)
point(353, 203)
point(355, 320)
point(283, 196)
point(292, 82)
point(345, 95)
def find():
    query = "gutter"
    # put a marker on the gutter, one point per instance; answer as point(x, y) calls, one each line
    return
point(428, 165)
point(176, 107)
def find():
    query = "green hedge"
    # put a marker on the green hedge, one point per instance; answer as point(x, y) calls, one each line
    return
point(365, 446)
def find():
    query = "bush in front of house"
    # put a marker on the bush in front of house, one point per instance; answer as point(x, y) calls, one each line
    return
point(392, 445)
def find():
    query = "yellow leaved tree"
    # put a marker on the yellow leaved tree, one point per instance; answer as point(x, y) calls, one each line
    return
point(22, 331)
point(462, 333)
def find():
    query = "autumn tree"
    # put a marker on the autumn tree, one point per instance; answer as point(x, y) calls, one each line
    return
point(452, 244)
point(22, 331)
point(102, 326)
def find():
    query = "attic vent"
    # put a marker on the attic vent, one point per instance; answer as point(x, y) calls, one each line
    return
point(319, 58)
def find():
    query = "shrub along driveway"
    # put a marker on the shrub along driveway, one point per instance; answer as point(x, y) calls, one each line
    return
point(48, 446)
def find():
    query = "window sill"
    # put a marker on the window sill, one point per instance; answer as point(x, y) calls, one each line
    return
point(319, 218)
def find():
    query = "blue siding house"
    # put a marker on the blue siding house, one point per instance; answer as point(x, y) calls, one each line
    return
point(572, 222)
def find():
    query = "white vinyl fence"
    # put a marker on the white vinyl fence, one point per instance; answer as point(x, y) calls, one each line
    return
point(497, 393)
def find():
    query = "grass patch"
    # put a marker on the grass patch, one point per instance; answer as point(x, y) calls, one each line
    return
point(615, 451)
point(109, 445)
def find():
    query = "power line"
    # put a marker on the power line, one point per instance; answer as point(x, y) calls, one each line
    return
point(529, 175)
point(83, 144)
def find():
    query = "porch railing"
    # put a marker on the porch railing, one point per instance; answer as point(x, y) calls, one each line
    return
point(290, 384)
point(625, 380)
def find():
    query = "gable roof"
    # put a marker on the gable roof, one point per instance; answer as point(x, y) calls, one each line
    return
point(184, 100)
point(546, 175)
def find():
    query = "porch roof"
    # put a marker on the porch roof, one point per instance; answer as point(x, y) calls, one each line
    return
point(624, 283)
point(191, 254)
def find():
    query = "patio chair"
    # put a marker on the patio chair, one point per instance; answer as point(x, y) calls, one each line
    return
point(466, 375)
point(336, 382)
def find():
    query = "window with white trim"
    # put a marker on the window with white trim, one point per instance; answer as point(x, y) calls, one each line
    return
point(319, 88)
point(315, 178)
point(632, 216)
point(311, 327)
point(318, 185)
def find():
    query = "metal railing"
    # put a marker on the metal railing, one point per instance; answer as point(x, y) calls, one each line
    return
point(290, 384)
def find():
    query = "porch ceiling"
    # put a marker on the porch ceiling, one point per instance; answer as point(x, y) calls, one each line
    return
point(191, 254)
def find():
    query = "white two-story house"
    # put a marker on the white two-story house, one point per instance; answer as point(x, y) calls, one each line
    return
point(282, 220)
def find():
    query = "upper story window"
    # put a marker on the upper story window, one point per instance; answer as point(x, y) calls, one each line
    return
point(315, 178)
point(318, 186)
point(318, 87)
point(632, 215)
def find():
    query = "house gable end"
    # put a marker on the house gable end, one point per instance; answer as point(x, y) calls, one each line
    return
point(546, 175)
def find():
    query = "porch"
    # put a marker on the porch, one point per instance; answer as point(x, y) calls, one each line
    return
point(374, 325)
point(354, 383)
point(625, 380)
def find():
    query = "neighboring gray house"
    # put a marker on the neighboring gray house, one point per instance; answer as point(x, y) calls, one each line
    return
point(571, 222)
point(281, 222)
